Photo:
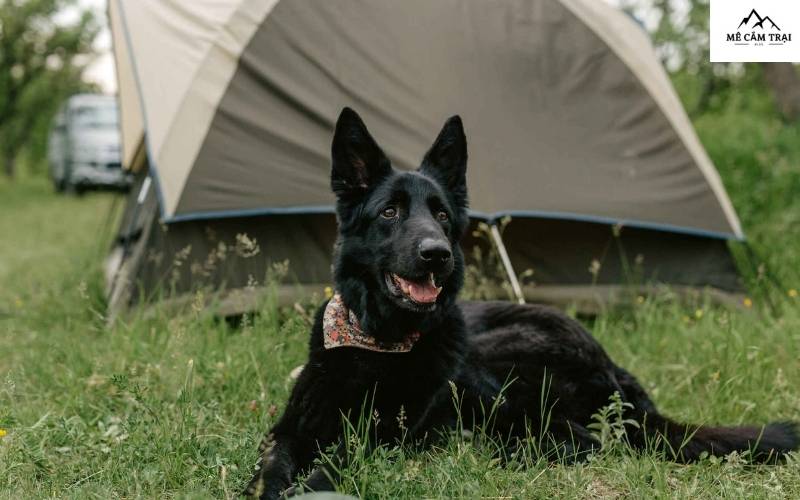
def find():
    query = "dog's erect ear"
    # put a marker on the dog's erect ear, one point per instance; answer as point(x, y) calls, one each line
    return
point(446, 161)
point(358, 161)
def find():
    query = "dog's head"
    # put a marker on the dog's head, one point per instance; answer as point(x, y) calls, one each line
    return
point(398, 231)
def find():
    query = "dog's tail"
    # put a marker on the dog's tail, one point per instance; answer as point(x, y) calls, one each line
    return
point(688, 443)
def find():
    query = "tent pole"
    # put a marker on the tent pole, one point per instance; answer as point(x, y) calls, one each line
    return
point(512, 276)
point(126, 243)
point(145, 189)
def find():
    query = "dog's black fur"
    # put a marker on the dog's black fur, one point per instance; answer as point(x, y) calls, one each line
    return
point(408, 224)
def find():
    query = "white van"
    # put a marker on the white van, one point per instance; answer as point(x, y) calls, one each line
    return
point(84, 145)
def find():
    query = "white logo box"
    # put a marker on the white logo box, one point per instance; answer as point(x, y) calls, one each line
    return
point(755, 31)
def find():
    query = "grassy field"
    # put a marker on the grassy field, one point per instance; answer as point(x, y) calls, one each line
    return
point(173, 406)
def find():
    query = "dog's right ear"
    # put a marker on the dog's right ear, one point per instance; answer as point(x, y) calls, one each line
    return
point(447, 160)
point(358, 161)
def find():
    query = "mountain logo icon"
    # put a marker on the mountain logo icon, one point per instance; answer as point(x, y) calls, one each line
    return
point(760, 21)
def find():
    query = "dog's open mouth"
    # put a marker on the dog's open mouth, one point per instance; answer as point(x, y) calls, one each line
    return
point(421, 293)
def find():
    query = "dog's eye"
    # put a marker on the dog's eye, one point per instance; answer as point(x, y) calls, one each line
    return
point(442, 216)
point(389, 213)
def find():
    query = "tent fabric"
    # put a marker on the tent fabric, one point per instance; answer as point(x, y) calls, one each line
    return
point(196, 43)
point(574, 131)
point(567, 109)
point(621, 34)
point(132, 128)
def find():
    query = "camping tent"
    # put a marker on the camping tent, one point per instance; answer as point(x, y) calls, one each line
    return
point(574, 132)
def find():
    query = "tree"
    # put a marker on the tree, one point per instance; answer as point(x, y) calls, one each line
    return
point(41, 63)
point(682, 41)
point(784, 82)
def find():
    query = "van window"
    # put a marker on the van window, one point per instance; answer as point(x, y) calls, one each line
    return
point(95, 117)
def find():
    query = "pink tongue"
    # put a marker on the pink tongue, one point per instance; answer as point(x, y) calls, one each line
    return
point(424, 293)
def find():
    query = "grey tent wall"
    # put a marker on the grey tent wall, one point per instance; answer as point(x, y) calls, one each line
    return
point(562, 252)
point(592, 266)
point(173, 261)
point(216, 256)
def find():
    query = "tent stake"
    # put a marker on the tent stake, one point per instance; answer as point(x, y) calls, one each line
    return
point(512, 276)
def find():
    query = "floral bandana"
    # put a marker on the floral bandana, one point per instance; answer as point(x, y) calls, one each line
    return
point(341, 328)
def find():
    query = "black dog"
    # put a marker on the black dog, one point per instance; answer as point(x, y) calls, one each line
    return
point(394, 336)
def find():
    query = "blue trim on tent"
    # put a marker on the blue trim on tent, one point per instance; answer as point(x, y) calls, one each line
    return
point(227, 214)
point(494, 217)
point(598, 219)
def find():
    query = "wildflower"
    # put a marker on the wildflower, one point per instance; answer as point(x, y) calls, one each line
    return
point(3, 432)
point(199, 302)
point(196, 268)
point(747, 302)
point(18, 302)
point(155, 257)
point(246, 247)
point(594, 268)
point(253, 405)
point(252, 283)
point(401, 418)
point(181, 255)
point(640, 299)
point(222, 250)
point(698, 313)
point(328, 292)
point(792, 293)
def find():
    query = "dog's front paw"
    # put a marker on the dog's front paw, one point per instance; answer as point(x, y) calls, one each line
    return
point(255, 488)
point(320, 479)
point(262, 488)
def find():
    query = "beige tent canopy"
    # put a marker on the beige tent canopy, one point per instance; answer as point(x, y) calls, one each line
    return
point(573, 126)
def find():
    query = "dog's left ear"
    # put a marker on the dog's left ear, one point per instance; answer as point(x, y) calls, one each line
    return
point(358, 161)
point(446, 161)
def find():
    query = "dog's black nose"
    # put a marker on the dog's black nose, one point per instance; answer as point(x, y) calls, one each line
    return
point(434, 252)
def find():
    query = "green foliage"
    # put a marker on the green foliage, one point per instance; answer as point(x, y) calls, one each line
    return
point(41, 62)
point(609, 426)
point(757, 155)
point(165, 405)
point(680, 34)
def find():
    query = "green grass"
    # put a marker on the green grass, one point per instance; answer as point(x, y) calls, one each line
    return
point(173, 406)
